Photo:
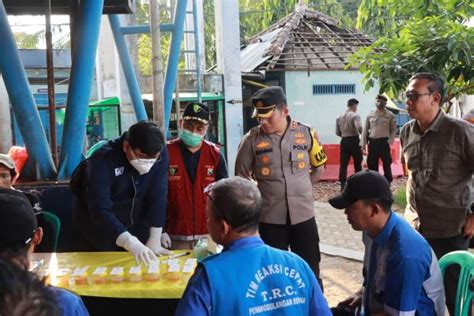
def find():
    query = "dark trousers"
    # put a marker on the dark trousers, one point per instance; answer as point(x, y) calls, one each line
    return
point(442, 246)
point(349, 148)
point(380, 149)
point(302, 239)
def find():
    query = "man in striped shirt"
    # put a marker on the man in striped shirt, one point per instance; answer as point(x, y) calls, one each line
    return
point(438, 152)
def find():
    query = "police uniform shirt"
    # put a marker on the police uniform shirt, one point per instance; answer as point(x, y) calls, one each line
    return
point(379, 125)
point(348, 124)
point(281, 166)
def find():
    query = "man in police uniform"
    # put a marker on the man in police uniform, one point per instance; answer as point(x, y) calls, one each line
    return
point(379, 132)
point(348, 127)
point(286, 159)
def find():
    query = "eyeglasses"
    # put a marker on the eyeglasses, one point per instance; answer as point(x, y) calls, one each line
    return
point(413, 95)
point(207, 191)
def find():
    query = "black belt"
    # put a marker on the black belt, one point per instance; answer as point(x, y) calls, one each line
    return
point(378, 139)
point(350, 137)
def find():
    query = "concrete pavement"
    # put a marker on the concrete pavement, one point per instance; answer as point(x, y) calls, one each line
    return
point(337, 238)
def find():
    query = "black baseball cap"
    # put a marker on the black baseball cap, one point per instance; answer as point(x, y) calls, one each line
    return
point(17, 217)
point(266, 100)
point(381, 97)
point(196, 111)
point(363, 185)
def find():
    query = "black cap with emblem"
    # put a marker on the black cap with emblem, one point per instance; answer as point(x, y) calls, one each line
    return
point(266, 100)
point(196, 111)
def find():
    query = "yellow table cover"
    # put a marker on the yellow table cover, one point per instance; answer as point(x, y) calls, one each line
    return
point(53, 263)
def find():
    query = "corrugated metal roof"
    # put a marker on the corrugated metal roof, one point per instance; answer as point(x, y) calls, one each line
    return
point(254, 54)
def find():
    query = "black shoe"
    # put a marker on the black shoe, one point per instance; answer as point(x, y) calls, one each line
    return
point(343, 185)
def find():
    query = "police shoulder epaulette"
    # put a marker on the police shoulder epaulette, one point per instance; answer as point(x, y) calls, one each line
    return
point(294, 125)
point(304, 125)
point(254, 130)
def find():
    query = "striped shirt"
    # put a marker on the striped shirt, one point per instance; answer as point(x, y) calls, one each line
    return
point(440, 165)
point(401, 273)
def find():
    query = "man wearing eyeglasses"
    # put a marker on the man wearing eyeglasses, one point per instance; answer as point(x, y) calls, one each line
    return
point(20, 235)
point(194, 164)
point(438, 153)
point(121, 195)
point(379, 133)
point(285, 158)
point(248, 277)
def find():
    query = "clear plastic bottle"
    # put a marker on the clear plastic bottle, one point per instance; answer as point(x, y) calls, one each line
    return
point(201, 249)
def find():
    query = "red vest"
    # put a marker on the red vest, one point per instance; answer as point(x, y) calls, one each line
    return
point(186, 212)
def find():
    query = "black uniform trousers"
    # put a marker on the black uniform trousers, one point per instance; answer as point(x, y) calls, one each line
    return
point(442, 246)
point(379, 148)
point(349, 148)
point(302, 239)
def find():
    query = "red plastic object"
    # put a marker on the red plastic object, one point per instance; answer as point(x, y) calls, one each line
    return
point(331, 173)
point(19, 156)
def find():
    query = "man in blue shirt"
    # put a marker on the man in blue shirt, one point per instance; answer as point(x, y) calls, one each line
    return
point(248, 277)
point(401, 272)
point(18, 237)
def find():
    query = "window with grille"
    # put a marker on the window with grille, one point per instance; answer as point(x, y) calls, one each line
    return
point(333, 89)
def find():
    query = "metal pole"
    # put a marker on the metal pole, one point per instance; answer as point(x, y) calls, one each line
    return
point(128, 70)
point(228, 63)
point(27, 115)
point(173, 58)
point(73, 19)
point(82, 71)
point(157, 63)
point(197, 51)
point(144, 29)
point(51, 93)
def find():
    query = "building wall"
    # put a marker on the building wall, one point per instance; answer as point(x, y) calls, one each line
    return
point(321, 111)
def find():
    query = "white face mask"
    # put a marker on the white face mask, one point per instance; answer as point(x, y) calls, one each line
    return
point(143, 166)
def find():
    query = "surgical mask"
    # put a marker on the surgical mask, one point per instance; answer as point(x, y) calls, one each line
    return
point(190, 139)
point(143, 166)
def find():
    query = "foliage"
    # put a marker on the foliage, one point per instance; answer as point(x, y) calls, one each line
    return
point(400, 199)
point(142, 14)
point(209, 32)
point(257, 16)
point(32, 40)
point(27, 40)
point(437, 43)
point(387, 17)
